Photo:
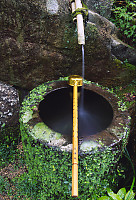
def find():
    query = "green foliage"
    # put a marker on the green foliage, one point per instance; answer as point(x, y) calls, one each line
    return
point(49, 172)
point(9, 137)
point(7, 154)
point(121, 195)
point(123, 91)
point(4, 185)
point(129, 66)
point(124, 17)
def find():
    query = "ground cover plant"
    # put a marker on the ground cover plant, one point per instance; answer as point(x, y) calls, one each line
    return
point(122, 193)
point(25, 186)
point(124, 17)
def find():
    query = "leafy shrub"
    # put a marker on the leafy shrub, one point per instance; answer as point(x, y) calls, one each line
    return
point(124, 16)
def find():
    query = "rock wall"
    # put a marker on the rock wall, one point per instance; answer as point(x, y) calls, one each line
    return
point(38, 42)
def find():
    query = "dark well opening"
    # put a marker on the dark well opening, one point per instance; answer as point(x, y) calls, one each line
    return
point(56, 112)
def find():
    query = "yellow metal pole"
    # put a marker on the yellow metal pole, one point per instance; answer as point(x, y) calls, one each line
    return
point(75, 81)
point(75, 144)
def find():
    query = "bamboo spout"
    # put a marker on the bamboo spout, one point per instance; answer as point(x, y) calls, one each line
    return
point(75, 81)
point(80, 24)
point(76, 5)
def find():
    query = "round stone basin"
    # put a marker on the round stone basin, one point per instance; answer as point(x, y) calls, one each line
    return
point(95, 112)
point(47, 116)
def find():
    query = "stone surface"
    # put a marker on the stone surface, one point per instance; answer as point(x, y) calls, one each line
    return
point(123, 51)
point(9, 105)
point(108, 31)
point(38, 42)
point(102, 7)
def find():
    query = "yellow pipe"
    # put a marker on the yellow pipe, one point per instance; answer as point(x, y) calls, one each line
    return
point(75, 144)
point(75, 81)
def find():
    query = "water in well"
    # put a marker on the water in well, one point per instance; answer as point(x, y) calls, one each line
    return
point(56, 112)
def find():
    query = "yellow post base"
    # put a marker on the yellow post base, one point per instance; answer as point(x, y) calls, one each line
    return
point(75, 180)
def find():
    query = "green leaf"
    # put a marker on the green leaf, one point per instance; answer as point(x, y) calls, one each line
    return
point(132, 4)
point(122, 192)
point(104, 198)
point(109, 191)
point(134, 15)
point(130, 195)
point(113, 195)
point(3, 125)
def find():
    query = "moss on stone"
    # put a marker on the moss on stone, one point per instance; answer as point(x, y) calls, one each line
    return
point(27, 116)
point(91, 32)
point(88, 145)
point(117, 62)
point(57, 136)
point(41, 131)
point(124, 64)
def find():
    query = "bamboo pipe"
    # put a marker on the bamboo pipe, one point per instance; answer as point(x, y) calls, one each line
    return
point(75, 81)
point(73, 7)
point(79, 18)
point(80, 24)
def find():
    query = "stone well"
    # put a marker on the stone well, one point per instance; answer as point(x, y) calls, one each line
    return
point(46, 130)
point(49, 117)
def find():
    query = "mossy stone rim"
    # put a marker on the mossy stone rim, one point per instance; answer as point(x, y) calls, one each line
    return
point(113, 136)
